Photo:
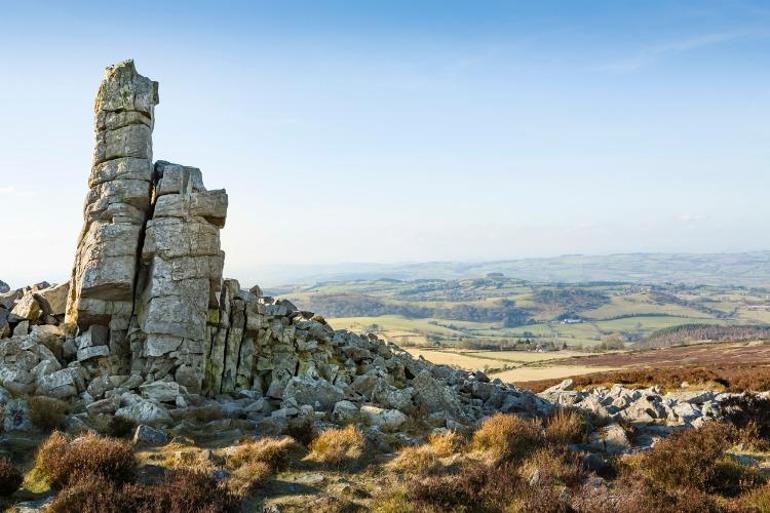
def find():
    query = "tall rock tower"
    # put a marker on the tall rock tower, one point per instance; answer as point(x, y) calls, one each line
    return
point(148, 266)
point(118, 202)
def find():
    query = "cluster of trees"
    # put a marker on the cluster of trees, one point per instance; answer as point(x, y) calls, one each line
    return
point(572, 298)
point(362, 305)
point(678, 335)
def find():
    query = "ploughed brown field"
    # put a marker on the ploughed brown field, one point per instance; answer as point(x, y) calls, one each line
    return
point(733, 367)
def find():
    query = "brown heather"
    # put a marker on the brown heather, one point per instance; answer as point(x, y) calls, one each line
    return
point(62, 460)
point(10, 478)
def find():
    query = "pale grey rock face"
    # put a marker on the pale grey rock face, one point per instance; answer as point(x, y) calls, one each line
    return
point(383, 418)
point(319, 393)
point(144, 411)
point(118, 201)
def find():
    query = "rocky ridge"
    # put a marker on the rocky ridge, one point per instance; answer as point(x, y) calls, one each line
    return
point(148, 330)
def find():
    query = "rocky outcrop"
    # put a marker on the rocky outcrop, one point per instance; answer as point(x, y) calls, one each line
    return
point(118, 201)
point(639, 406)
point(149, 331)
point(149, 265)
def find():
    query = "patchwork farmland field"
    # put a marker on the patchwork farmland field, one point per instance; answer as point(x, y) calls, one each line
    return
point(501, 313)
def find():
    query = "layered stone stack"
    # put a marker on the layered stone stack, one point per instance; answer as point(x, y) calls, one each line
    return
point(180, 277)
point(118, 201)
point(149, 265)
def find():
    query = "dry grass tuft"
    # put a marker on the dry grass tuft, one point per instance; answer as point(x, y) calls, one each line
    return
point(62, 460)
point(566, 426)
point(446, 444)
point(253, 462)
point(421, 460)
point(337, 446)
point(507, 437)
point(553, 465)
point(426, 459)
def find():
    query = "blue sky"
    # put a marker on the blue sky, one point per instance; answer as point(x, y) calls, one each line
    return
point(390, 131)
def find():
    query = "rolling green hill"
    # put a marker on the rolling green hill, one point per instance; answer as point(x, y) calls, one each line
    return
point(498, 312)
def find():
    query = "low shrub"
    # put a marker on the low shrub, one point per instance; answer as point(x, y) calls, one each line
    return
point(183, 492)
point(120, 427)
point(634, 494)
point(337, 446)
point(689, 458)
point(302, 430)
point(10, 478)
point(507, 437)
point(47, 413)
point(62, 460)
point(751, 415)
point(475, 488)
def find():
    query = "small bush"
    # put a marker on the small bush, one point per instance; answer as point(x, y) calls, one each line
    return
point(302, 430)
point(47, 413)
point(566, 426)
point(751, 415)
point(120, 427)
point(95, 495)
point(10, 478)
point(183, 492)
point(63, 461)
point(337, 446)
point(507, 437)
point(476, 488)
point(689, 458)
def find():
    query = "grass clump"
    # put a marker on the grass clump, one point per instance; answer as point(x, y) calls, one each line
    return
point(426, 459)
point(10, 478)
point(553, 465)
point(566, 426)
point(62, 460)
point(47, 413)
point(507, 437)
point(337, 446)
point(253, 462)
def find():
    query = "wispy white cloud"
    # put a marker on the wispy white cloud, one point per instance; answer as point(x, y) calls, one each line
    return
point(652, 54)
